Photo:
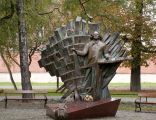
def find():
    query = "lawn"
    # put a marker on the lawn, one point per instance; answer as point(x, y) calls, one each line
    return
point(33, 84)
point(144, 84)
point(114, 88)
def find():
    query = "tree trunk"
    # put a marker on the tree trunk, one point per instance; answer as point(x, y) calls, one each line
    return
point(9, 70)
point(136, 48)
point(135, 71)
point(23, 48)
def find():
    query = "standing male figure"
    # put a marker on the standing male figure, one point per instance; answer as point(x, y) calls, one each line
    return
point(94, 50)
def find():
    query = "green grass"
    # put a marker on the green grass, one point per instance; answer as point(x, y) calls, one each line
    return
point(114, 93)
point(128, 106)
point(33, 84)
point(123, 93)
point(51, 92)
point(118, 84)
point(143, 84)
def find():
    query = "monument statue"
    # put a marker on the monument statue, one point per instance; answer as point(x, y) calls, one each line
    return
point(94, 50)
point(86, 63)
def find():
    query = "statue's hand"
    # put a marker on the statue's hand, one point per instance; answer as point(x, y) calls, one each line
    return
point(103, 47)
point(108, 55)
point(73, 49)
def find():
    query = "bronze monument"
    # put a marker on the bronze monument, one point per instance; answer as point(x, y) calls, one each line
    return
point(86, 63)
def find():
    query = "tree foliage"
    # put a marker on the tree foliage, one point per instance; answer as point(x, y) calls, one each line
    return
point(38, 15)
point(105, 11)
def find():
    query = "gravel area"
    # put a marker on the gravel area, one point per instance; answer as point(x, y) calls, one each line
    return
point(130, 115)
point(40, 114)
point(23, 114)
point(35, 111)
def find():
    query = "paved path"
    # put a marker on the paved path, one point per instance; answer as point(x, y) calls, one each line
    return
point(130, 115)
point(40, 114)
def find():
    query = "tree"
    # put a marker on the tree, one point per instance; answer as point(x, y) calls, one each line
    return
point(23, 47)
point(141, 29)
point(136, 47)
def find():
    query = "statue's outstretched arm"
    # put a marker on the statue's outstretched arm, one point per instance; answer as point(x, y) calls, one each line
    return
point(83, 52)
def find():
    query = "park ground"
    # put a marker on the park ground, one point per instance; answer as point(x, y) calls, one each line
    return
point(36, 111)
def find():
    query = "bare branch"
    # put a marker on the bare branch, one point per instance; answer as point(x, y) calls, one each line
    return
point(32, 51)
point(84, 9)
point(9, 70)
point(85, 1)
point(10, 56)
point(10, 15)
point(50, 12)
point(151, 49)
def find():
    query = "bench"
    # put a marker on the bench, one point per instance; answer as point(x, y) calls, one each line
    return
point(36, 95)
point(1, 91)
point(143, 99)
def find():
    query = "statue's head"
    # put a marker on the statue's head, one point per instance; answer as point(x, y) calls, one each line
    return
point(95, 36)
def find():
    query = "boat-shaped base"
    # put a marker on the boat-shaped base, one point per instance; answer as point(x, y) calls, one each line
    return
point(81, 109)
